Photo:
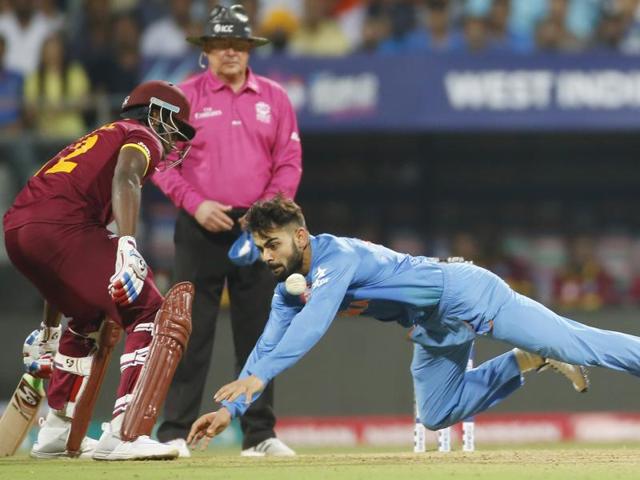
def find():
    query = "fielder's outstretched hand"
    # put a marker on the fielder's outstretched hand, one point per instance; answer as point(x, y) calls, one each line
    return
point(208, 426)
point(247, 386)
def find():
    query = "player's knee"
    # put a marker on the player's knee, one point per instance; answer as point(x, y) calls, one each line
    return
point(434, 424)
point(433, 419)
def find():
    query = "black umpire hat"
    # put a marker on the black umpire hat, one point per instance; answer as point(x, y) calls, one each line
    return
point(231, 22)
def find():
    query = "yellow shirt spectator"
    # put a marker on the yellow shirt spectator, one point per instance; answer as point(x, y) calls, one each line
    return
point(55, 93)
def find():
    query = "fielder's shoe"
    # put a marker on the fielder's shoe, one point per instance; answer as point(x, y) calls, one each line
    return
point(181, 445)
point(111, 447)
point(576, 374)
point(271, 447)
point(52, 439)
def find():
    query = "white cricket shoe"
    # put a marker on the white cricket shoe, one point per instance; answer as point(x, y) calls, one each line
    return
point(111, 447)
point(271, 447)
point(181, 445)
point(576, 374)
point(52, 439)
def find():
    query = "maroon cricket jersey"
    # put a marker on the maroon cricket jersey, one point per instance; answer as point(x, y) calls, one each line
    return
point(74, 187)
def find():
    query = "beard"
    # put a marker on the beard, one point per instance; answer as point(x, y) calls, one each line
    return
point(291, 265)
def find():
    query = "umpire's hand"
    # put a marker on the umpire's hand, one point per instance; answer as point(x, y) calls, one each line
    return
point(212, 216)
point(208, 426)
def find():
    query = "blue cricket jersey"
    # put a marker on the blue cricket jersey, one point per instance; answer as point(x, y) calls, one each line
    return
point(347, 277)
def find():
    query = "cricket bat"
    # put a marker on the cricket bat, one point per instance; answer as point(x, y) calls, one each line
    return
point(20, 414)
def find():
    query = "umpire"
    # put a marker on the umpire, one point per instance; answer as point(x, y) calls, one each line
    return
point(247, 148)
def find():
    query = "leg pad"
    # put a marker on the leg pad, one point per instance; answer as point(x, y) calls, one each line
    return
point(171, 333)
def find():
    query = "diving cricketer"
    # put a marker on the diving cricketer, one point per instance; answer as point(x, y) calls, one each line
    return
point(444, 304)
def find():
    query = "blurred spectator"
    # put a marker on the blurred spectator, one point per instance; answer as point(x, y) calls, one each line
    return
point(465, 245)
point(51, 12)
point(124, 6)
point(615, 20)
point(405, 34)
point(440, 32)
point(279, 26)
point(630, 43)
point(265, 7)
point(582, 18)
point(511, 262)
point(524, 15)
point(552, 34)
point(503, 36)
point(406, 241)
point(351, 15)
point(55, 93)
point(374, 30)
point(18, 155)
point(90, 38)
point(476, 33)
point(583, 282)
point(634, 260)
point(165, 37)
point(319, 34)
point(25, 30)
point(122, 69)
point(11, 84)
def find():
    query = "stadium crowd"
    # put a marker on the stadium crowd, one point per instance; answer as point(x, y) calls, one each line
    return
point(62, 50)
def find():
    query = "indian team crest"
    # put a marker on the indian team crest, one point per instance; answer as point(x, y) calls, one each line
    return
point(263, 112)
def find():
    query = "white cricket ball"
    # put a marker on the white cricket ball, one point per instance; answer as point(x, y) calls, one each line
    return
point(295, 284)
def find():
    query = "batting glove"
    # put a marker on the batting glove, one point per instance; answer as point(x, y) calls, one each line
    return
point(126, 284)
point(39, 349)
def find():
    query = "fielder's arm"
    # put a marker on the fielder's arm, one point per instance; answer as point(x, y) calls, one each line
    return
point(306, 328)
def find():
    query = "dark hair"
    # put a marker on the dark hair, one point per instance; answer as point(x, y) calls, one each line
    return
point(66, 62)
point(278, 212)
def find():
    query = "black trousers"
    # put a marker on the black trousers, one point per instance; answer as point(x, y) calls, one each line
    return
point(201, 258)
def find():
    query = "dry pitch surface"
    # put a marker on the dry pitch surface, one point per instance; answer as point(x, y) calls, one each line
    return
point(572, 463)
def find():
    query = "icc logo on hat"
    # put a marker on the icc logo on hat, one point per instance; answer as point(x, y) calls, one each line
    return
point(219, 28)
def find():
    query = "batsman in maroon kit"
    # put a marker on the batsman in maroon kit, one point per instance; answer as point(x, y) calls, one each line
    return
point(56, 235)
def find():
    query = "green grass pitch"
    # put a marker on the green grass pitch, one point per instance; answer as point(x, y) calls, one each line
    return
point(561, 462)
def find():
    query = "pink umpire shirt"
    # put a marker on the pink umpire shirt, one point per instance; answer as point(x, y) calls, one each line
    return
point(246, 147)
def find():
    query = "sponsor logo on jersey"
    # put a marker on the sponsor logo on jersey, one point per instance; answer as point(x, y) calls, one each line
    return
point(319, 278)
point(295, 137)
point(207, 112)
point(263, 112)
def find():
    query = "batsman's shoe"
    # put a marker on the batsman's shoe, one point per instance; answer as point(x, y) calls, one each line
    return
point(271, 447)
point(576, 374)
point(52, 439)
point(111, 447)
point(181, 445)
